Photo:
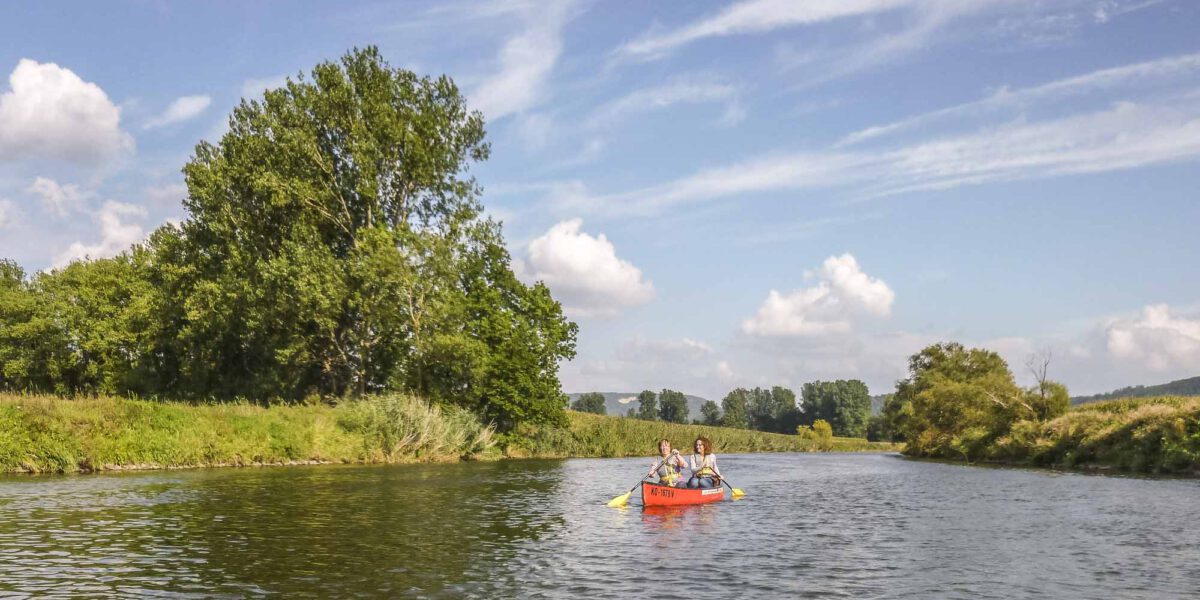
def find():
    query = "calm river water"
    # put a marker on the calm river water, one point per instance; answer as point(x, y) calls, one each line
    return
point(813, 525)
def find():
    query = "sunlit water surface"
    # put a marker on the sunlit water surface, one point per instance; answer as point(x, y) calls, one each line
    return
point(813, 525)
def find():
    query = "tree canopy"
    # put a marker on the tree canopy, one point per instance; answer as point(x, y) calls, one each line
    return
point(334, 246)
point(844, 404)
point(672, 406)
point(957, 401)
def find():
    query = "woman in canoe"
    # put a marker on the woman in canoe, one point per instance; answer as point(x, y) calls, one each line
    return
point(704, 465)
point(668, 465)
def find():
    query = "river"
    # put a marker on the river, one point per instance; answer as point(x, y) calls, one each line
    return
point(811, 526)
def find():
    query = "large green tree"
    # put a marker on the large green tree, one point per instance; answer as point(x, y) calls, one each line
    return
point(956, 401)
point(335, 246)
point(844, 404)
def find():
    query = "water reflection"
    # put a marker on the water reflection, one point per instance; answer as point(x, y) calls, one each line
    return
point(812, 526)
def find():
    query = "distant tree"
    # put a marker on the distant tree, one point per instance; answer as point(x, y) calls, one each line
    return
point(632, 413)
point(711, 413)
point(824, 434)
point(672, 406)
point(647, 406)
point(786, 413)
point(591, 402)
point(760, 409)
point(734, 409)
point(1048, 399)
point(956, 401)
point(844, 404)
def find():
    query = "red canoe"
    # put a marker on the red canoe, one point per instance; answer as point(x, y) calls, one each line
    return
point(664, 495)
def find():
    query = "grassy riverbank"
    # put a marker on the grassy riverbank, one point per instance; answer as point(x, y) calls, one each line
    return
point(48, 434)
point(598, 435)
point(57, 435)
point(1147, 435)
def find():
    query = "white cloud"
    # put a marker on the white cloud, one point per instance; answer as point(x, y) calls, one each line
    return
point(8, 213)
point(59, 200)
point(50, 113)
point(526, 61)
point(182, 109)
point(585, 273)
point(756, 16)
point(116, 234)
point(843, 293)
point(1156, 337)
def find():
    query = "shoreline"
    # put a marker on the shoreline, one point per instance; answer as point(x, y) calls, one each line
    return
point(53, 435)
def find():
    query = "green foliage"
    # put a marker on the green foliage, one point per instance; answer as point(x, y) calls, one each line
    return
point(1148, 434)
point(86, 328)
point(52, 434)
point(334, 247)
point(844, 404)
point(735, 409)
point(401, 426)
point(647, 406)
point(711, 413)
point(893, 421)
point(958, 401)
point(595, 435)
point(672, 406)
point(591, 402)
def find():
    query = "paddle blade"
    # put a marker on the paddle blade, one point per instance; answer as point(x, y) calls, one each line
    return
point(737, 492)
point(619, 501)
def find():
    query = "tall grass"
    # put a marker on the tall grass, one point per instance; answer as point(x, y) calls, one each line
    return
point(52, 434)
point(41, 434)
point(1152, 435)
point(597, 435)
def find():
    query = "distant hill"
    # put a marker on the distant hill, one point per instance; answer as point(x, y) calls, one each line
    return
point(1182, 387)
point(615, 407)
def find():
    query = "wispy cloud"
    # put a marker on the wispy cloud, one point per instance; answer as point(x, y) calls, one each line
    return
point(1126, 135)
point(526, 61)
point(690, 89)
point(1138, 73)
point(182, 109)
point(755, 16)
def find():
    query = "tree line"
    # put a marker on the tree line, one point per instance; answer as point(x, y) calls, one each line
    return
point(334, 246)
point(844, 404)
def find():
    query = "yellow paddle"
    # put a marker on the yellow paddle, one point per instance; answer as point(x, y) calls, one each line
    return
point(737, 492)
point(623, 499)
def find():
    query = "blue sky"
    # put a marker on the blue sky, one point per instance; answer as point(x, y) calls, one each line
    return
point(751, 193)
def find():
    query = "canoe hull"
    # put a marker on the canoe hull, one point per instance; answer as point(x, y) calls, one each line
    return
point(662, 495)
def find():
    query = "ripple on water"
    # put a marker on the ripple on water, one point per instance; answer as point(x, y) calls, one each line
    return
point(813, 526)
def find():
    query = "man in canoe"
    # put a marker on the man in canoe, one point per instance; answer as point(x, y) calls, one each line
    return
point(668, 465)
point(704, 465)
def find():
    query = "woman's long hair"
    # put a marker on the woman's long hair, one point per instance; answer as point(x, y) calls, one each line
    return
point(708, 445)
